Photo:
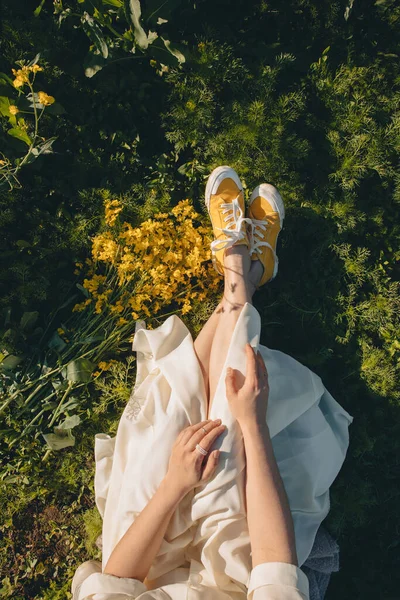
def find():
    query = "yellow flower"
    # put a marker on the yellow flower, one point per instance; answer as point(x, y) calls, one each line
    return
point(190, 105)
point(118, 308)
point(21, 76)
point(186, 308)
point(92, 285)
point(112, 209)
point(45, 99)
point(96, 373)
point(122, 321)
point(104, 248)
point(35, 68)
point(18, 82)
point(105, 366)
point(80, 307)
point(13, 109)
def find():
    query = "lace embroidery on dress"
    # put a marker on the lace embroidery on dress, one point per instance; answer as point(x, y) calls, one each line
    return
point(133, 407)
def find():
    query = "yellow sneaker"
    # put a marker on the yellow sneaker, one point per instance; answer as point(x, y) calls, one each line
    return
point(225, 204)
point(267, 212)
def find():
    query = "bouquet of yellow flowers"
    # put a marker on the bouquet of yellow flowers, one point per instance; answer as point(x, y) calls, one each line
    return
point(134, 272)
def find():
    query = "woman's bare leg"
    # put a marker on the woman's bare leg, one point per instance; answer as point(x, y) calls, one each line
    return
point(239, 287)
point(202, 347)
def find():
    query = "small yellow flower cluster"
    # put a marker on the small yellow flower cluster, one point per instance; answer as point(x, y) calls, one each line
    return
point(22, 75)
point(105, 366)
point(112, 208)
point(13, 109)
point(80, 307)
point(79, 266)
point(104, 248)
point(45, 99)
point(167, 259)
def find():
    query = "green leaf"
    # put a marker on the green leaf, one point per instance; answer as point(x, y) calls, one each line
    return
point(93, 63)
point(23, 244)
point(116, 3)
point(11, 479)
point(45, 147)
point(348, 9)
point(162, 51)
point(133, 12)
point(28, 320)
point(10, 362)
point(79, 371)
point(57, 441)
point(4, 105)
point(56, 342)
point(70, 422)
point(20, 134)
point(55, 109)
point(6, 79)
point(37, 10)
point(93, 31)
point(69, 300)
point(174, 51)
point(34, 60)
point(72, 403)
point(83, 290)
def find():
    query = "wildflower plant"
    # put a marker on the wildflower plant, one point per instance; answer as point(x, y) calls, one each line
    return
point(118, 28)
point(162, 266)
point(12, 107)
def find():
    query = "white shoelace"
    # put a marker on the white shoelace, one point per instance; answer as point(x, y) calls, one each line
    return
point(257, 229)
point(235, 218)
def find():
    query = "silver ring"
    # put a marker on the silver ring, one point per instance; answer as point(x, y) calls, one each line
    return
point(204, 429)
point(201, 450)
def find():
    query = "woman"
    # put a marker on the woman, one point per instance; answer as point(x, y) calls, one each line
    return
point(218, 477)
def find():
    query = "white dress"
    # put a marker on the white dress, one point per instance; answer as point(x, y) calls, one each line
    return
point(205, 553)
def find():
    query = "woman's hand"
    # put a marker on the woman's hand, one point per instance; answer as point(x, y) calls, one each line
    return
point(248, 398)
point(187, 466)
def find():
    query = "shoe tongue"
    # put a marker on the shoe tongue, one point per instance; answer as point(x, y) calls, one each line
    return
point(228, 190)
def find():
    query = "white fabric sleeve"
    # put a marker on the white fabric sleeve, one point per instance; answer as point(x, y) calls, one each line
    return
point(103, 586)
point(278, 581)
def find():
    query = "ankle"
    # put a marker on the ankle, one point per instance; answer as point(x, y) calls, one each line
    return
point(237, 259)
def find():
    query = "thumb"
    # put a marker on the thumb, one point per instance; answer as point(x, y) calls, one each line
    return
point(230, 381)
point(211, 465)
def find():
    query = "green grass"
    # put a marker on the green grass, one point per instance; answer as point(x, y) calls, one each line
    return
point(293, 94)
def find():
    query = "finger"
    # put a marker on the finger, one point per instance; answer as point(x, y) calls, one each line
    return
point(211, 465)
point(251, 367)
point(200, 434)
point(262, 366)
point(189, 431)
point(230, 381)
point(210, 438)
